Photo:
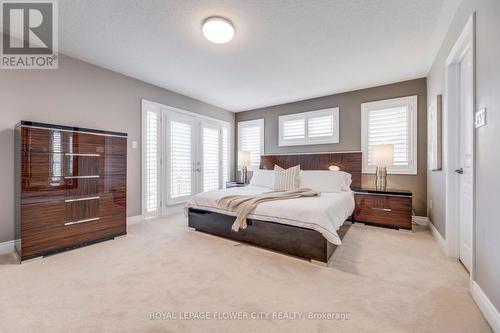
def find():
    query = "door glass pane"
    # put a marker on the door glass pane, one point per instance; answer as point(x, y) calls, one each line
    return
point(180, 159)
point(211, 162)
point(151, 164)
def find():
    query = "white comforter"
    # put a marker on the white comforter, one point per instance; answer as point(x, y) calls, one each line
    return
point(325, 213)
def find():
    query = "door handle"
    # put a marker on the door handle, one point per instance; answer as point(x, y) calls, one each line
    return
point(460, 171)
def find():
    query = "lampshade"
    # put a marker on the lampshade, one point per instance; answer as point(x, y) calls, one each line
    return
point(244, 158)
point(383, 155)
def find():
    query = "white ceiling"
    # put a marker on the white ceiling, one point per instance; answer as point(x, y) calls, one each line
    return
point(283, 51)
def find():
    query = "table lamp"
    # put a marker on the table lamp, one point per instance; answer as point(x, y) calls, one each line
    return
point(382, 157)
point(244, 162)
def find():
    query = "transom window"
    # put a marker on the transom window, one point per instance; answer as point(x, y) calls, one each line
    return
point(309, 128)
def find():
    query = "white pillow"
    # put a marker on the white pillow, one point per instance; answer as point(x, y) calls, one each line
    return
point(286, 180)
point(262, 178)
point(325, 180)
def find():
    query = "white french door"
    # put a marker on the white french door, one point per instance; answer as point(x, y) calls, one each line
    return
point(209, 156)
point(196, 151)
point(181, 157)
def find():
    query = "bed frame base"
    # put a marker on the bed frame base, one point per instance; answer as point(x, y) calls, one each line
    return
point(296, 241)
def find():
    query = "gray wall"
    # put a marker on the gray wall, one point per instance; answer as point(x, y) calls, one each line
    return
point(350, 129)
point(487, 226)
point(83, 95)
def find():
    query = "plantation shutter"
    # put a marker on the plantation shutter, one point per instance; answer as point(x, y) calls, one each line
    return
point(307, 128)
point(390, 126)
point(318, 127)
point(225, 155)
point(251, 140)
point(294, 129)
point(151, 162)
point(211, 158)
point(180, 159)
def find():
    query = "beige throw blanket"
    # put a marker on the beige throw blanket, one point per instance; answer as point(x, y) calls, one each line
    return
point(245, 204)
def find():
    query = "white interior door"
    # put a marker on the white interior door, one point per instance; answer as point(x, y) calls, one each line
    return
point(181, 158)
point(210, 156)
point(466, 170)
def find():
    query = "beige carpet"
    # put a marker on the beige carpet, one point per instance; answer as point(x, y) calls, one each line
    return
point(383, 280)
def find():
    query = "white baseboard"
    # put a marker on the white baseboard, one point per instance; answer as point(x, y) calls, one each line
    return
point(7, 247)
point(487, 308)
point(439, 239)
point(171, 210)
point(175, 209)
point(420, 220)
point(134, 219)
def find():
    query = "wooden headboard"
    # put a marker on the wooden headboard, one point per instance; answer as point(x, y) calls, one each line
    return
point(348, 162)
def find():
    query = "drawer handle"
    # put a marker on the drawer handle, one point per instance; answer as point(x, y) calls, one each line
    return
point(82, 221)
point(81, 177)
point(87, 155)
point(82, 199)
point(382, 209)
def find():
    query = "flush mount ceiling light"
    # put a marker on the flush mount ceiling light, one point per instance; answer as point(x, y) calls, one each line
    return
point(218, 30)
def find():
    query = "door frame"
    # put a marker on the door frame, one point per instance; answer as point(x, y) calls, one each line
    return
point(163, 207)
point(451, 142)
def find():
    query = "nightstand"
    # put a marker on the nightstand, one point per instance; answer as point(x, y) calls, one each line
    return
point(390, 208)
point(235, 184)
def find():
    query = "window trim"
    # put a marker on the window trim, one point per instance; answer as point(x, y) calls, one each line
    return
point(306, 116)
point(412, 103)
point(250, 123)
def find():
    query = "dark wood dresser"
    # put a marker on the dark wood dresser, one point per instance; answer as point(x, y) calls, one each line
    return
point(71, 187)
point(390, 208)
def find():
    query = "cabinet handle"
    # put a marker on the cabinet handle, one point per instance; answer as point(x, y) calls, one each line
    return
point(82, 199)
point(382, 209)
point(81, 177)
point(82, 221)
point(78, 154)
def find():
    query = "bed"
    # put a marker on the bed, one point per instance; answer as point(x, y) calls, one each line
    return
point(309, 228)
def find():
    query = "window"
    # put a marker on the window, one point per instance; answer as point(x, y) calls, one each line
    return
point(251, 138)
point(309, 128)
point(225, 154)
point(151, 161)
point(394, 122)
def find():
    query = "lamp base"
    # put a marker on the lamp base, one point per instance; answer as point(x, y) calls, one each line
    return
point(244, 175)
point(381, 179)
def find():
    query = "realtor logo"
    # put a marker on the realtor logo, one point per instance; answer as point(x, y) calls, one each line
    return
point(29, 34)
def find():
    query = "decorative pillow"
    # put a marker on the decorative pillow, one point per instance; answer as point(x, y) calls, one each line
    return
point(325, 180)
point(286, 180)
point(262, 178)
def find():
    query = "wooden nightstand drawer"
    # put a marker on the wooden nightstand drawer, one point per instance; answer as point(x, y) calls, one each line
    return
point(386, 210)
